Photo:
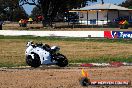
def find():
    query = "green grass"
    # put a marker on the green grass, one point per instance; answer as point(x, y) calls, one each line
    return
point(101, 60)
point(67, 39)
point(8, 64)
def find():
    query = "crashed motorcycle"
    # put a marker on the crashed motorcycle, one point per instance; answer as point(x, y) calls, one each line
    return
point(43, 54)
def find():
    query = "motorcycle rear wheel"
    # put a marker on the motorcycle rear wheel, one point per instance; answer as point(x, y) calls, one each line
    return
point(33, 62)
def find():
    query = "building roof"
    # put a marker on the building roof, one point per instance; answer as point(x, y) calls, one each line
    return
point(106, 6)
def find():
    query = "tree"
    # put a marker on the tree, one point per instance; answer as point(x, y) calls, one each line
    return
point(19, 13)
point(36, 12)
point(127, 3)
point(51, 8)
point(10, 10)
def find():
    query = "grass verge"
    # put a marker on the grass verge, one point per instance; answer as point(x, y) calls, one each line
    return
point(77, 50)
point(101, 60)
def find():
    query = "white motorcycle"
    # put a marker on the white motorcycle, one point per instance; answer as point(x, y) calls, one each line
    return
point(43, 54)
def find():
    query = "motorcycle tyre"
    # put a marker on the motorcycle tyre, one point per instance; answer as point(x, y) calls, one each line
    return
point(33, 62)
point(62, 60)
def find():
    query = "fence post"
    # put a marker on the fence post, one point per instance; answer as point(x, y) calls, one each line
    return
point(1, 22)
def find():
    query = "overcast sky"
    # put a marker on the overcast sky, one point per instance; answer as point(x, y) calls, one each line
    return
point(29, 8)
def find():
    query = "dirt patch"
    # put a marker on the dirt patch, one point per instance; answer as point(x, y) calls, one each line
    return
point(60, 77)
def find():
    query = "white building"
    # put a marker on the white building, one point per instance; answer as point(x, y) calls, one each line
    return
point(99, 14)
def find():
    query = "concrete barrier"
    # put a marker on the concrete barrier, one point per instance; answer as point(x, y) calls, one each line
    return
point(93, 34)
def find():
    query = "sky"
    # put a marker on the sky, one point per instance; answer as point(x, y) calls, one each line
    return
point(28, 8)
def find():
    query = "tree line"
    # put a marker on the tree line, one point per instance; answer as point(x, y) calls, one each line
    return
point(12, 10)
point(52, 9)
point(127, 3)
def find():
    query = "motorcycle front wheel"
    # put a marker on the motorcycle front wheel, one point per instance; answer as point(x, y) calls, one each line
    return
point(62, 60)
point(33, 62)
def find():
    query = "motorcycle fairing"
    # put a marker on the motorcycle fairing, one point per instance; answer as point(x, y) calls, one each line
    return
point(44, 55)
